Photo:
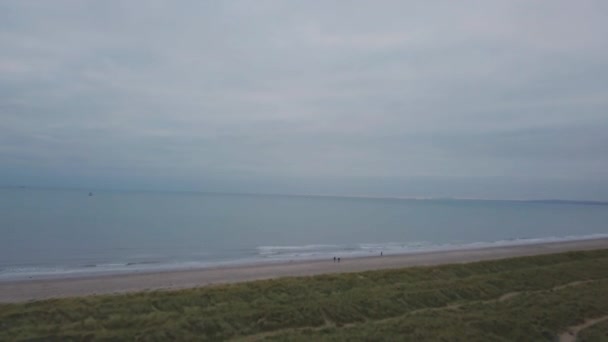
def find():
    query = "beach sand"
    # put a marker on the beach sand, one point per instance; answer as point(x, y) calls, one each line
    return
point(37, 289)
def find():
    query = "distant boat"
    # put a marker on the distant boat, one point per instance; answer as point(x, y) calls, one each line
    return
point(90, 194)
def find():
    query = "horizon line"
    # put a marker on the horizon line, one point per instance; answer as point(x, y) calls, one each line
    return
point(352, 196)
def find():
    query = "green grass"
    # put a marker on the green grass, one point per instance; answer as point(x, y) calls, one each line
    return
point(597, 332)
point(451, 303)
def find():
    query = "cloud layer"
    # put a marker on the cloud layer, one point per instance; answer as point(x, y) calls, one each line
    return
point(475, 98)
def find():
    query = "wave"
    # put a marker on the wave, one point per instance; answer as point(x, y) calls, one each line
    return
point(277, 250)
point(392, 248)
point(48, 271)
point(264, 254)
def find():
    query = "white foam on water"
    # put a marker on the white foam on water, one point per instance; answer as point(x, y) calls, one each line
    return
point(282, 250)
point(272, 254)
point(392, 248)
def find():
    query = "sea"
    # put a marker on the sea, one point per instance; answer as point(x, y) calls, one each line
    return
point(47, 233)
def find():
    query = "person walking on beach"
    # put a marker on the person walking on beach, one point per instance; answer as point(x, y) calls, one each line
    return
point(338, 259)
point(334, 259)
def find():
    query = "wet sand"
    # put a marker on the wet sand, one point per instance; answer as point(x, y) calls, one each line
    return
point(37, 289)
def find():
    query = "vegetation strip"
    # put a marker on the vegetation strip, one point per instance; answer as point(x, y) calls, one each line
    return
point(508, 296)
point(595, 332)
point(544, 296)
point(571, 334)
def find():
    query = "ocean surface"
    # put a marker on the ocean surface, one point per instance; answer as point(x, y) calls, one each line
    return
point(50, 233)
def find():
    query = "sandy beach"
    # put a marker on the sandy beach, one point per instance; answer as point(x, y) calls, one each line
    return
point(37, 289)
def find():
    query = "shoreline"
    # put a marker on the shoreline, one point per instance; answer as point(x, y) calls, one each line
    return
point(265, 255)
point(39, 289)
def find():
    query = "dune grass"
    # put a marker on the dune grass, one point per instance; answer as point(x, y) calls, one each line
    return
point(596, 332)
point(524, 299)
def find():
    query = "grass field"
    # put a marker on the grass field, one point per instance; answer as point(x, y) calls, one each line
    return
point(597, 332)
point(521, 299)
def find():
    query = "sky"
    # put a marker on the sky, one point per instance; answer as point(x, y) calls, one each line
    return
point(483, 99)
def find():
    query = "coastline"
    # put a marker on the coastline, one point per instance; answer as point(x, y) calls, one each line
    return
point(39, 289)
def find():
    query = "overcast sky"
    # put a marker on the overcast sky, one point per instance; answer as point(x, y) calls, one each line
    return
point(498, 99)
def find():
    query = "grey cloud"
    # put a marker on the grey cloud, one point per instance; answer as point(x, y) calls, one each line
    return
point(297, 96)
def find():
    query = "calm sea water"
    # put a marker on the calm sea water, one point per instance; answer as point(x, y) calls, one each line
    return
point(68, 232)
